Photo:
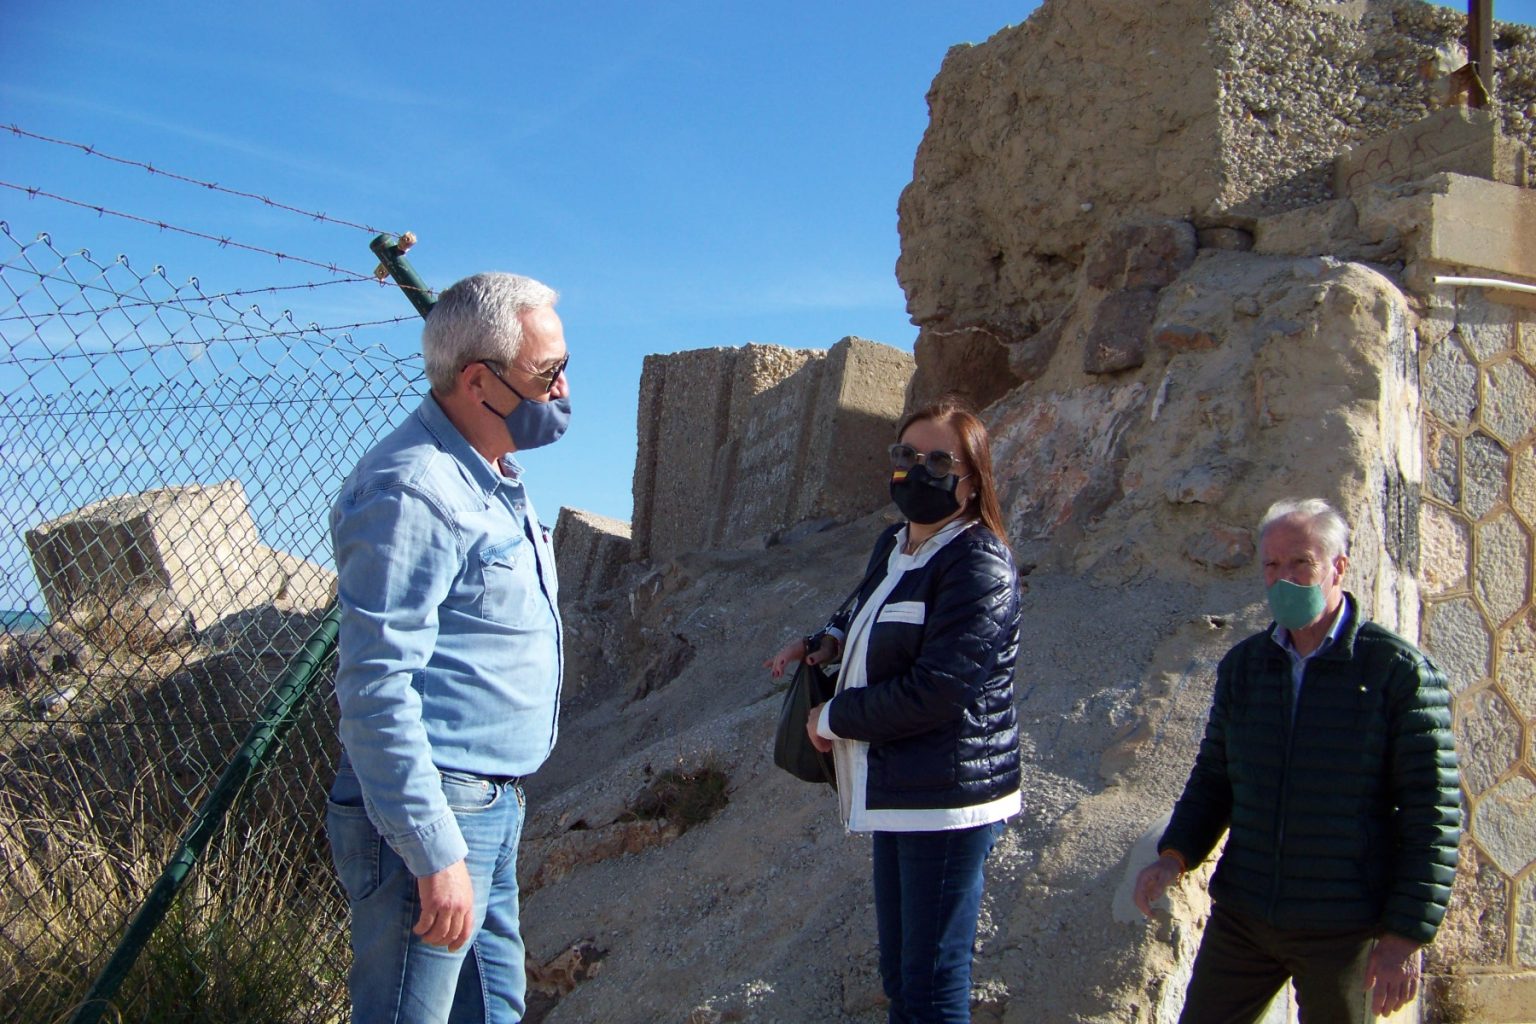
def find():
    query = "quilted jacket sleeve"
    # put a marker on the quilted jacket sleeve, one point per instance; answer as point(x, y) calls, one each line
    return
point(973, 614)
point(1425, 792)
point(1205, 808)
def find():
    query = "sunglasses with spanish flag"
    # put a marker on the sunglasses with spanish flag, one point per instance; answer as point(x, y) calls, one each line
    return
point(938, 463)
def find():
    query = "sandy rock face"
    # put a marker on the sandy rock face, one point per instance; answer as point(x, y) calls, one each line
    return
point(1094, 112)
point(1164, 466)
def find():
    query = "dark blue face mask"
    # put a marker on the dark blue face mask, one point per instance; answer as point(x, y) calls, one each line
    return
point(532, 424)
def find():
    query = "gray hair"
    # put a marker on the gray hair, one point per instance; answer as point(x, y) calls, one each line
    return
point(1321, 519)
point(478, 318)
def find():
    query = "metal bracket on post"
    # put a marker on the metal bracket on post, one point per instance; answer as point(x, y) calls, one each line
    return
point(1480, 48)
point(391, 253)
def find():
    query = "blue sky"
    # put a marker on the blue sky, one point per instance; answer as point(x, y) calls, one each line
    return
point(687, 174)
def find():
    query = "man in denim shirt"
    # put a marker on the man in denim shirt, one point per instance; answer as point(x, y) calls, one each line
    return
point(450, 663)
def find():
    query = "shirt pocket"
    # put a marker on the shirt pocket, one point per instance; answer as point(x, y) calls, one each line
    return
point(506, 568)
point(913, 613)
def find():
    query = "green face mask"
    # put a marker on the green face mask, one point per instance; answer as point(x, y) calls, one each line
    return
point(1295, 606)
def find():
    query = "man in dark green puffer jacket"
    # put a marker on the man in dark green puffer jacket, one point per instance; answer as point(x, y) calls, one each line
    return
point(1328, 755)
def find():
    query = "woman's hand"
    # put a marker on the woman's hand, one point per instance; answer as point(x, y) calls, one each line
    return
point(792, 651)
point(818, 741)
point(826, 651)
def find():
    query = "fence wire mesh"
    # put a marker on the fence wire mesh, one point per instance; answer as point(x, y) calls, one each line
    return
point(170, 459)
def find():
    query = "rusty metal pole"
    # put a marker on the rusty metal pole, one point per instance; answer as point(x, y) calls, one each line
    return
point(1480, 47)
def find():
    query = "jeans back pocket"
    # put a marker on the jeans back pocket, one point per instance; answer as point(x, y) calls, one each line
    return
point(354, 849)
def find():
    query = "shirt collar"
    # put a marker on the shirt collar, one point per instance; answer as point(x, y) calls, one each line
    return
point(484, 475)
point(1282, 636)
point(932, 544)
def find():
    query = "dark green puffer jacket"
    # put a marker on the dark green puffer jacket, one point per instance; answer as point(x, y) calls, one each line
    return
point(1349, 818)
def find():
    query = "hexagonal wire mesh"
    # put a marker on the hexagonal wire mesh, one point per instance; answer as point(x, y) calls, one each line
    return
point(170, 461)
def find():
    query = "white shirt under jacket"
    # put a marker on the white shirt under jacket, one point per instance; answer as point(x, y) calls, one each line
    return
point(852, 756)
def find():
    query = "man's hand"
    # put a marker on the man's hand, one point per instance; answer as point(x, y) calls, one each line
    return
point(818, 741)
point(447, 907)
point(1154, 880)
point(1393, 971)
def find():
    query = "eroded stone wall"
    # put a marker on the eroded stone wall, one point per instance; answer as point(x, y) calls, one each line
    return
point(1096, 111)
point(1207, 236)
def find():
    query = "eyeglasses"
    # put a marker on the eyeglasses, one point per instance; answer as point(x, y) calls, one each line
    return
point(904, 456)
point(548, 377)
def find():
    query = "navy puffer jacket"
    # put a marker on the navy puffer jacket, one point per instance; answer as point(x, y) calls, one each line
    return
point(937, 710)
point(1344, 811)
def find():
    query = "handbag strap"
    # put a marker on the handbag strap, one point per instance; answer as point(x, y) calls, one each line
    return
point(875, 564)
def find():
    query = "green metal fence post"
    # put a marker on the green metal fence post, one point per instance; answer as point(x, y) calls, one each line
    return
point(391, 253)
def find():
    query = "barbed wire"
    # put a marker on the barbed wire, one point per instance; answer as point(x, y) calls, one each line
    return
point(211, 185)
point(178, 302)
point(375, 353)
point(223, 242)
point(249, 403)
point(233, 325)
point(179, 343)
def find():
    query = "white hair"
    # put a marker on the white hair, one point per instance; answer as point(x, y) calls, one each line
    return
point(478, 318)
point(1320, 519)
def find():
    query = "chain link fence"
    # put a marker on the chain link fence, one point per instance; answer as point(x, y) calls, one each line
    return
point(170, 458)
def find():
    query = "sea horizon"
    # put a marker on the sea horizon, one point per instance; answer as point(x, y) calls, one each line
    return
point(20, 620)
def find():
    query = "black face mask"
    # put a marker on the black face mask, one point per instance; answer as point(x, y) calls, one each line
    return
point(924, 498)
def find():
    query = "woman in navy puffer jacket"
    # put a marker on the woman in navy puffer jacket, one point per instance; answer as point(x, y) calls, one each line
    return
point(922, 728)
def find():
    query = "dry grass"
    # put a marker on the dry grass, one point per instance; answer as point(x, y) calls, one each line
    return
point(92, 805)
point(255, 936)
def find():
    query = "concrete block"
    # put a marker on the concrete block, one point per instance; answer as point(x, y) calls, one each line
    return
point(590, 551)
point(738, 444)
point(683, 421)
point(1481, 225)
point(766, 458)
point(1456, 140)
point(1498, 998)
point(196, 545)
point(855, 423)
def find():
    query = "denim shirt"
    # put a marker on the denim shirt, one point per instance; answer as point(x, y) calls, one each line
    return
point(450, 653)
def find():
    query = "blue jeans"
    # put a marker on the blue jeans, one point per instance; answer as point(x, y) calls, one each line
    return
point(927, 899)
point(398, 979)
